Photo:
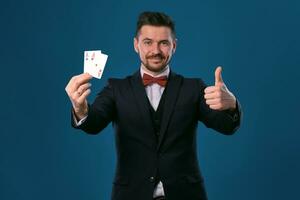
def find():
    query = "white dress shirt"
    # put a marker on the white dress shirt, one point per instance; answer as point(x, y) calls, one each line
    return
point(154, 93)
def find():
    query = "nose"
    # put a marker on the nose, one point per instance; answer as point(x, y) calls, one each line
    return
point(156, 48)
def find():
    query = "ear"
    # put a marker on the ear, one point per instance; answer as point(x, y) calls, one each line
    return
point(174, 45)
point(135, 44)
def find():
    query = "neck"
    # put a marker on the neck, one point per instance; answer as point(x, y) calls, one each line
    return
point(152, 72)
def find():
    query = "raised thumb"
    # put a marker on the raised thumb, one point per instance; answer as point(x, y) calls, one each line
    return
point(218, 76)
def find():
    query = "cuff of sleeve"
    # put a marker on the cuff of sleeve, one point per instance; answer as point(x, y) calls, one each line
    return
point(234, 114)
point(76, 122)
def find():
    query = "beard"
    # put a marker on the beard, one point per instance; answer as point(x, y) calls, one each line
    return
point(157, 67)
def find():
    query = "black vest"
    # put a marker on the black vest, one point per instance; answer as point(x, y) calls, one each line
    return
point(156, 115)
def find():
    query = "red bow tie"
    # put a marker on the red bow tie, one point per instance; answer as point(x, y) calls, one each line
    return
point(161, 80)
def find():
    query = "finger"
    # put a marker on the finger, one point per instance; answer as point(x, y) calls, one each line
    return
point(70, 86)
point(210, 89)
point(79, 80)
point(83, 87)
point(215, 107)
point(212, 95)
point(83, 97)
point(213, 101)
point(76, 94)
point(218, 76)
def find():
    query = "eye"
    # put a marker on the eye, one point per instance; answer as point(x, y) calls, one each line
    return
point(165, 43)
point(147, 42)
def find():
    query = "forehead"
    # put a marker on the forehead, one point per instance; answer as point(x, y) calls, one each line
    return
point(155, 32)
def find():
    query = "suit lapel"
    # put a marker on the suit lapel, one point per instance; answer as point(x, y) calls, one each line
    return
point(172, 91)
point(141, 99)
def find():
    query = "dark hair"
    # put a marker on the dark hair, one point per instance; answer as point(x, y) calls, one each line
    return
point(154, 19)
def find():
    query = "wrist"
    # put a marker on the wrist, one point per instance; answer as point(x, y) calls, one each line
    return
point(233, 106)
point(80, 114)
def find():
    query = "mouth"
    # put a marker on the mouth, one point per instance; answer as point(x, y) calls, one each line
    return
point(156, 59)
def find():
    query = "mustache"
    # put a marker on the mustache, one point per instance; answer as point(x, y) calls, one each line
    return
point(156, 56)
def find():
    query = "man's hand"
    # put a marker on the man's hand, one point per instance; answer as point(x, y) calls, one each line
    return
point(78, 90)
point(218, 97)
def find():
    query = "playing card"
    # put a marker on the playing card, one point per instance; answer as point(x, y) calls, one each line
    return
point(94, 63)
point(89, 57)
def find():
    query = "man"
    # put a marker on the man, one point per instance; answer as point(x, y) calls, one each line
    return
point(155, 113)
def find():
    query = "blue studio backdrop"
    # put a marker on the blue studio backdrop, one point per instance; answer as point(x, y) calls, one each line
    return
point(42, 43)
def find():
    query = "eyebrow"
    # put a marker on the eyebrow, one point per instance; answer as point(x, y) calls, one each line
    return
point(146, 39)
point(158, 41)
point(164, 41)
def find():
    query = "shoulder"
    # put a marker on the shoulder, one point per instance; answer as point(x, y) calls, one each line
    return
point(192, 81)
point(114, 80)
point(119, 82)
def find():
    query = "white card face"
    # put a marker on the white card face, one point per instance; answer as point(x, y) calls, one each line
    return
point(94, 63)
point(89, 57)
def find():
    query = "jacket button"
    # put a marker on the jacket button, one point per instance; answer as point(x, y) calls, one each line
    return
point(151, 179)
point(235, 117)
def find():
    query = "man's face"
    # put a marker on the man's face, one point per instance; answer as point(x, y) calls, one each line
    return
point(155, 46)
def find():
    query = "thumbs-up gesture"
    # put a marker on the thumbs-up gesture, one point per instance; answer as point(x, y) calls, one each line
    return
point(218, 97)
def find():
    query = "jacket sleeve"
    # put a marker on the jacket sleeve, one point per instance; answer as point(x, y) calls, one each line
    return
point(226, 121)
point(100, 113)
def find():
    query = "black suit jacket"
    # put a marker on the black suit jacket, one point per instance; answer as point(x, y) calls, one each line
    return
point(141, 155)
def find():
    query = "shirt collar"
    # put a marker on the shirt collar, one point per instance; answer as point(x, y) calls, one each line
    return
point(165, 72)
